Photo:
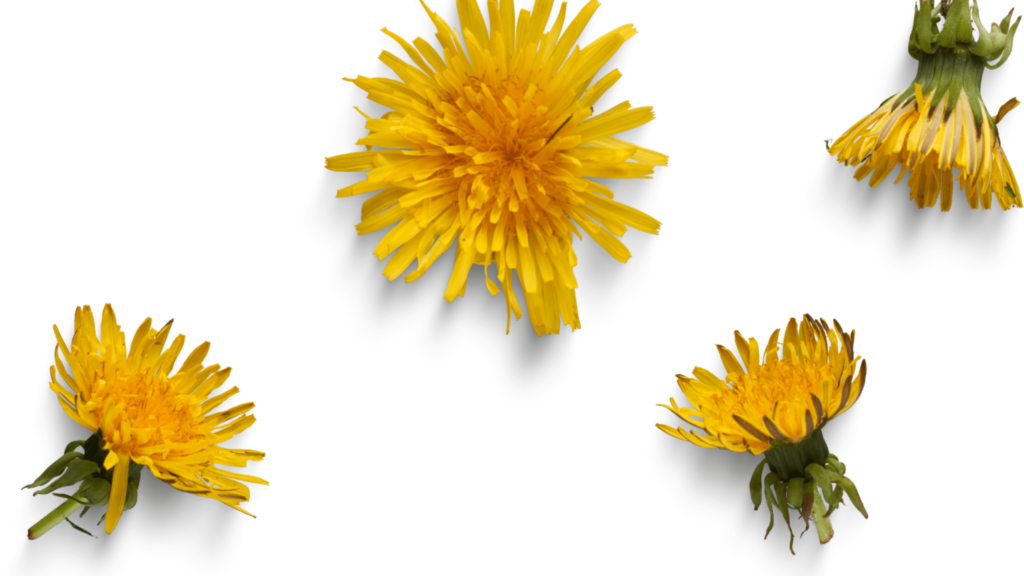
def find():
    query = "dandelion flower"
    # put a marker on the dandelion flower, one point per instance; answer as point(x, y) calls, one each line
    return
point(940, 123)
point(143, 414)
point(491, 145)
point(778, 407)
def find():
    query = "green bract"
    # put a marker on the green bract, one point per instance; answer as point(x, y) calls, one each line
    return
point(926, 38)
point(797, 472)
point(951, 59)
point(85, 467)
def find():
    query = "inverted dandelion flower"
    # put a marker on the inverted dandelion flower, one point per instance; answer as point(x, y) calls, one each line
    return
point(940, 123)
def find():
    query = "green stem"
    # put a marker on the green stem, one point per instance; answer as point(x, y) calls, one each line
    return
point(59, 514)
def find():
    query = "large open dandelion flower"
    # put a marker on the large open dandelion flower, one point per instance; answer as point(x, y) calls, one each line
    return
point(143, 414)
point(940, 123)
point(778, 407)
point(490, 146)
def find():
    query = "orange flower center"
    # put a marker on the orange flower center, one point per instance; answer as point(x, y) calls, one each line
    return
point(141, 415)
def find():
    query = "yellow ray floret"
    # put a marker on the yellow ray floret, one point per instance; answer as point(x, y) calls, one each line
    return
point(148, 414)
point(769, 399)
point(929, 140)
point(490, 146)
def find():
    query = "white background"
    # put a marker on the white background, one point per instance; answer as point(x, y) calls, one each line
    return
point(168, 158)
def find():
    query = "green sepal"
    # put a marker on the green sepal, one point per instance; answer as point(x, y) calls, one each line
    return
point(755, 485)
point(998, 43)
point(96, 492)
point(822, 524)
point(768, 481)
point(132, 496)
point(947, 37)
point(71, 497)
point(957, 27)
point(796, 492)
point(984, 45)
point(821, 477)
point(850, 489)
point(838, 491)
point(924, 29)
point(805, 509)
point(1005, 24)
point(55, 469)
point(780, 497)
point(1008, 48)
point(77, 470)
point(964, 29)
point(74, 446)
point(77, 527)
point(833, 461)
point(93, 492)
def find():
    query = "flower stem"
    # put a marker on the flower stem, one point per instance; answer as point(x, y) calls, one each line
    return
point(53, 518)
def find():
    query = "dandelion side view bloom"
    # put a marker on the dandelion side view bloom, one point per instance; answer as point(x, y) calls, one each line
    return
point(940, 123)
point(142, 414)
point(490, 145)
point(778, 407)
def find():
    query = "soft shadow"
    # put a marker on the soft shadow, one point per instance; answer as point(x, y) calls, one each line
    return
point(329, 210)
point(65, 428)
point(162, 508)
point(889, 199)
point(905, 74)
point(531, 353)
point(981, 226)
point(35, 556)
point(356, 261)
point(724, 476)
point(710, 468)
point(534, 353)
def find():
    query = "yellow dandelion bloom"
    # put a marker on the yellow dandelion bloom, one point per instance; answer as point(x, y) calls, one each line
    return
point(939, 124)
point(774, 400)
point(777, 406)
point(492, 145)
point(144, 413)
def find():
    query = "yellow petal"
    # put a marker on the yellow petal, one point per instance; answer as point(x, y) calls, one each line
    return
point(118, 490)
